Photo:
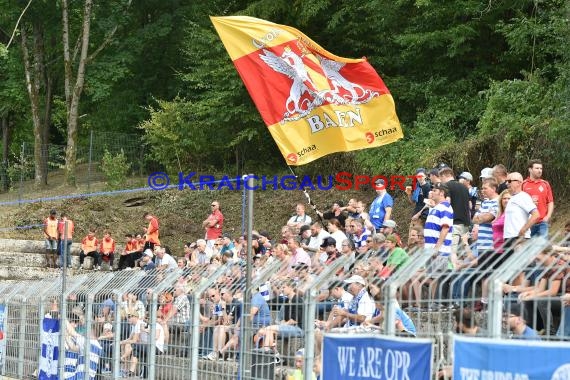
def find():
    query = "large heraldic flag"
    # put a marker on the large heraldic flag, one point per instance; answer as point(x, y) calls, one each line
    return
point(314, 103)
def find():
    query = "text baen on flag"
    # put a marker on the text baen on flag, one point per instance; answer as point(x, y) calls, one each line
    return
point(313, 102)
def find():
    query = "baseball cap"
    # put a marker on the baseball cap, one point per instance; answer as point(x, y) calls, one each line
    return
point(392, 238)
point(304, 228)
point(356, 278)
point(328, 241)
point(148, 252)
point(389, 223)
point(486, 173)
point(467, 176)
point(420, 170)
point(379, 181)
point(265, 234)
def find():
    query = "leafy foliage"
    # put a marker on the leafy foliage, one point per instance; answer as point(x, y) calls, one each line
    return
point(116, 168)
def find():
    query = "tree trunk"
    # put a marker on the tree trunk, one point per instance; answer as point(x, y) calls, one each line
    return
point(4, 180)
point(73, 96)
point(33, 87)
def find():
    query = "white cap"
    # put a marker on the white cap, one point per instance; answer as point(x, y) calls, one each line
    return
point(467, 176)
point(148, 252)
point(356, 278)
point(107, 326)
point(486, 173)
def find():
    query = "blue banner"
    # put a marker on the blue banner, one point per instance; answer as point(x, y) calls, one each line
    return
point(371, 356)
point(490, 359)
point(49, 341)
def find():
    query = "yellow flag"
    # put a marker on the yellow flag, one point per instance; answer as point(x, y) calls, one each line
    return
point(313, 102)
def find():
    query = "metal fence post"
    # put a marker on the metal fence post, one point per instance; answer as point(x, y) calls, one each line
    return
point(22, 155)
point(22, 337)
point(89, 160)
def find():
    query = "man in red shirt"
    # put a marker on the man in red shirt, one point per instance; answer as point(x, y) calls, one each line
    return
point(213, 224)
point(541, 193)
point(51, 238)
point(107, 249)
point(151, 232)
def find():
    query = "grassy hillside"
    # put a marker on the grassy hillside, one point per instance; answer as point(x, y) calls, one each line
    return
point(181, 212)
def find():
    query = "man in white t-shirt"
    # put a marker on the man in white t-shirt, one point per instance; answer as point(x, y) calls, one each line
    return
point(521, 212)
point(164, 260)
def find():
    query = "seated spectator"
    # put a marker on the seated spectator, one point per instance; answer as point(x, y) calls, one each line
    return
point(377, 247)
point(359, 237)
point(107, 249)
point(348, 249)
point(106, 342)
point(227, 245)
point(136, 326)
point(140, 349)
point(146, 262)
point(415, 238)
point(397, 257)
point(178, 320)
point(564, 328)
point(360, 308)
point(163, 260)
point(188, 249)
point(232, 325)
point(89, 247)
point(404, 324)
point(335, 230)
point(298, 254)
point(318, 234)
point(389, 228)
point(202, 254)
point(516, 323)
point(127, 258)
point(291, 322)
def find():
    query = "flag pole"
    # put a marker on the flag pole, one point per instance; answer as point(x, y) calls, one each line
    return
point(306, 193)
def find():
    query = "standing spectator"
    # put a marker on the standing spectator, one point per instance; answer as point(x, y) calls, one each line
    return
point(417, 196)
point(521, 212)
point(300, 218)
point(541, 194)
point(65, 241)
point(50, 234)
point(89, 247)
point(439, 229)
point(466, 179)
point(485, 217)
point(459, 200)
point(350, 209)
point(500, 174)
point(381, 207)
point(107, 249)
point(151, 232)
point(335, 212)
point(213, 224)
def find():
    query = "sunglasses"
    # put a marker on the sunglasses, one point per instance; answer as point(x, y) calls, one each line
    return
point(213, 205)
point(512, 180)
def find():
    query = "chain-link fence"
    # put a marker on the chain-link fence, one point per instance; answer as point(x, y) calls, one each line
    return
point(123, 152)
point(193, 316)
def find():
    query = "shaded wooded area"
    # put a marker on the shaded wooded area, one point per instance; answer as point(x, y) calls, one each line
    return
point(475, 82)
